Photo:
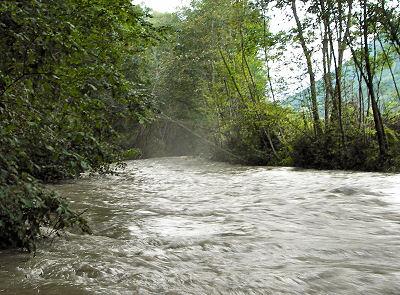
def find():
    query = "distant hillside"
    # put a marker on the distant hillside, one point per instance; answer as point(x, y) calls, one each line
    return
point(384, 84)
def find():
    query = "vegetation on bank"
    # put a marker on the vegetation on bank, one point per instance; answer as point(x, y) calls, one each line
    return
point(214, 83)
point(72, 77)
point(84, 84)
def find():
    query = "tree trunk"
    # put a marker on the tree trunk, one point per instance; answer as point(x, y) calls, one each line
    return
point(380, 131)
point(310, 70)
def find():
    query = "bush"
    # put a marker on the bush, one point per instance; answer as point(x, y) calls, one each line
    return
point(63, 91)
point(328, 152)
point(26, 207)
point(131, 154)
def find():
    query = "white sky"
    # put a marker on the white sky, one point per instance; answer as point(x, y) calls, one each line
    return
point(162, 5)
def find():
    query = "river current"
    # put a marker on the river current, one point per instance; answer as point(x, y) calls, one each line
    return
point(189, 226)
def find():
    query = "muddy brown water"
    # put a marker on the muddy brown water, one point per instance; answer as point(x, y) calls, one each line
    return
point(188, 226)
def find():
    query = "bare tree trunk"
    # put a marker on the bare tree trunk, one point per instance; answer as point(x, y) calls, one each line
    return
point(383, 146)
point(326, 61)
point(360, 100)
point(271, 88)
point(342, 34)
point(310, 70)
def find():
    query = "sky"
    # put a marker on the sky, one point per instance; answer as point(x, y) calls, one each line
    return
point(163, 5)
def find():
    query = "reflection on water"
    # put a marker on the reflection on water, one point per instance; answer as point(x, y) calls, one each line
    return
point(186, 226)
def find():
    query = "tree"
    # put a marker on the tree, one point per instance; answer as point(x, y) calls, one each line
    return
point(70, 71)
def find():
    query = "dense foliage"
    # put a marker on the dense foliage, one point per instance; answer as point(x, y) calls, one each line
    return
point(71, 76)
point(216, 93)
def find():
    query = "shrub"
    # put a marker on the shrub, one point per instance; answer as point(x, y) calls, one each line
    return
point(26, 207)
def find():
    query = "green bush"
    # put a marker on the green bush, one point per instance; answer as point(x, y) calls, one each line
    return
point(26, 206)
point(131, 154)
point(328, 152)
point(70, 72)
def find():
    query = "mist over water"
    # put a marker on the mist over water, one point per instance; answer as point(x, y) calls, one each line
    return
point(188, 226)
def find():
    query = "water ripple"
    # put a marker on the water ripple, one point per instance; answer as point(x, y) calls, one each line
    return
point(188, 226)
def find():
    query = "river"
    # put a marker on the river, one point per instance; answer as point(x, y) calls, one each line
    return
point(188, 226)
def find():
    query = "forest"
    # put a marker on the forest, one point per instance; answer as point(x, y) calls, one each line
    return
point(86, 85)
